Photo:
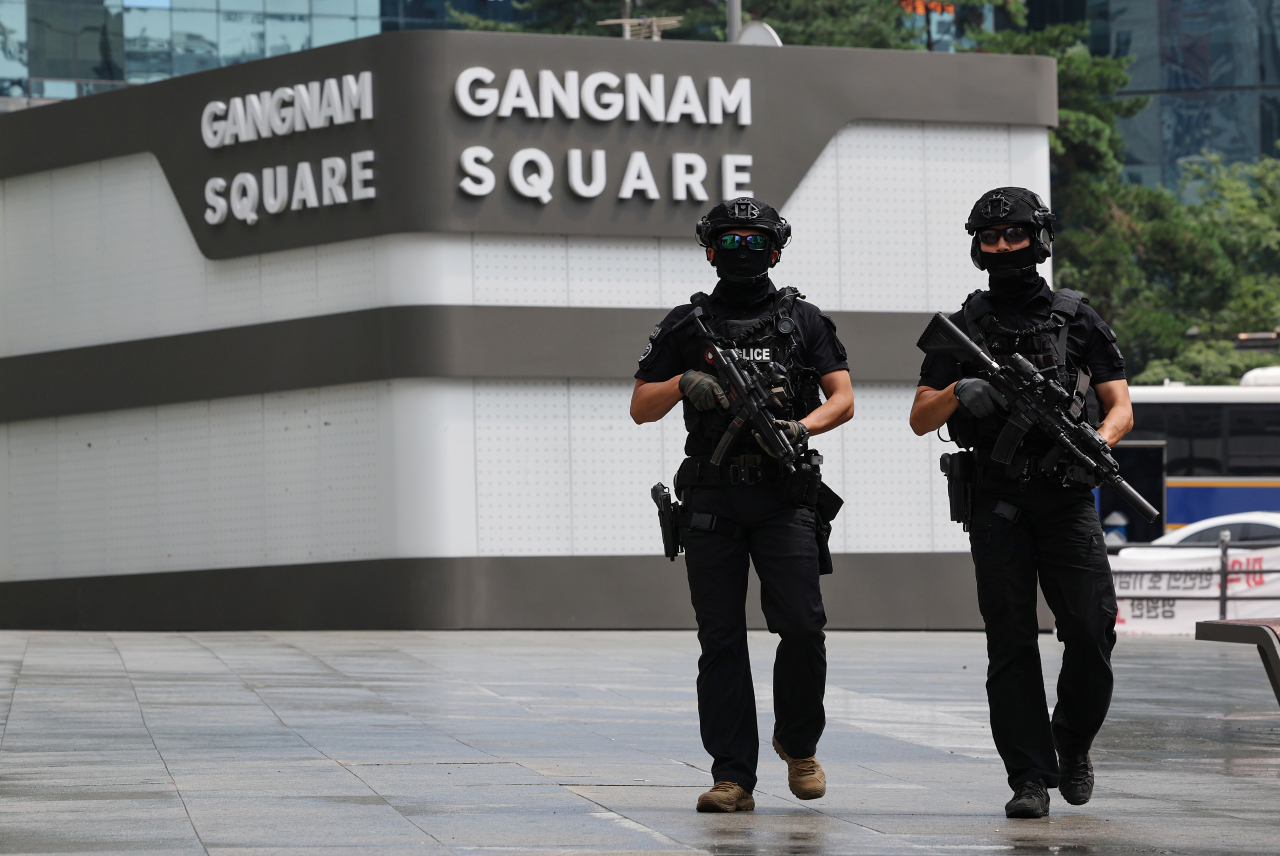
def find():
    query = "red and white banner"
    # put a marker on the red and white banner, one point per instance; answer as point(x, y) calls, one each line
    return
point(1150, 603)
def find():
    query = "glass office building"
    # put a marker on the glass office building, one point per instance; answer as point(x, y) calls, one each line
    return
point(63, 49)
point(1210, 67)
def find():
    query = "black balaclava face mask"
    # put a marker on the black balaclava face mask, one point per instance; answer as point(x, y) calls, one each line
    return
point(1013, 275)
point(1010, 264)
point(747, 270)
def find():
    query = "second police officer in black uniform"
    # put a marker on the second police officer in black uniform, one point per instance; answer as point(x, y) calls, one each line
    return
point(744, 239)
point(1034, 517)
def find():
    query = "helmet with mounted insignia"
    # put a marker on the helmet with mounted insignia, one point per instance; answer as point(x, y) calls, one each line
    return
point(1014, 206)
point(743, 213)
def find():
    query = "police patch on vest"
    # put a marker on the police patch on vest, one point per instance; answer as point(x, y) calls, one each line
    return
point(758, 355)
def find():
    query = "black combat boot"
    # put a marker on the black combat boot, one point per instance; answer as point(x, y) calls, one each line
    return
point(1030, 799)
point(1076, 783)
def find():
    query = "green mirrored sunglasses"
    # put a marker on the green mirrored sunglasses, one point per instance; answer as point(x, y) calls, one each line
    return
point(753, 242)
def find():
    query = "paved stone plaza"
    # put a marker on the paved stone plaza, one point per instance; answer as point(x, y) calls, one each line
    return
point(579, 742)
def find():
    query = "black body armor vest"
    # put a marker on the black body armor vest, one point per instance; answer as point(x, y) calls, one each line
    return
point(767, 339)
point(1044, 346)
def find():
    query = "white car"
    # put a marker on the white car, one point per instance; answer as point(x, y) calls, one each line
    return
point(1244, 527)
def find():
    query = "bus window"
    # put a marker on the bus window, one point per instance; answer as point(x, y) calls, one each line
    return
point(1195, 440)
point(1148, 422)
point(1253, 447)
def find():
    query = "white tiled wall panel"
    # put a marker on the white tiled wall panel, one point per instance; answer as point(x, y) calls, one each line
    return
point(404, 469)
point(881, 204)
point(232, 483)
point(812, 261)
point(523, 474)
point(614, 272)
point(101, 253)
point(887, 474)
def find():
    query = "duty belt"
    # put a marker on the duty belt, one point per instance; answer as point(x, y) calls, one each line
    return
point(698, 471)
point(1024, 467)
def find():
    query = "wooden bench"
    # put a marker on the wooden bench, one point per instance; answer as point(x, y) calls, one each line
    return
point(1263, 632)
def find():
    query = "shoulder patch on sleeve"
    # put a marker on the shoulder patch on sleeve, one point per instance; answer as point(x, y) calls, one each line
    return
point(655, 341)
point(1117, 358)
point(835, 339)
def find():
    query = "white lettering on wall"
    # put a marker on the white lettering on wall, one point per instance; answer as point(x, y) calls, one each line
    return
point(217, 210)
point(721, 100)
point(479, 180)
point(538, 184)
point(732, 177)
point(361, 174)
point(601, 96)
point(597, 95)
point(532, 175)
point(605, 106)
point(480, 102)
point(288, 109)
point(246, 197)
point(585, 189)
point(550, 93)
point(638, 176)
point(685, 102)
point(275, 189)
point(333, 175)
point(651, 97)
point(688, 171)
point(211, 127)
point(517, 96)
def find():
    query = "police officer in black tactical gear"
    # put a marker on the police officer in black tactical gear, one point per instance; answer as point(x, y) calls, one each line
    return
point(1035, 516)
point(735, 511)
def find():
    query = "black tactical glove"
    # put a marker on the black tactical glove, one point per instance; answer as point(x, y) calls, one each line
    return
point(702, 390)
point(795, 432)
point(979, 397)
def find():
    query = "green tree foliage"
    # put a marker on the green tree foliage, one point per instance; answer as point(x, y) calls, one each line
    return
point(1213, 363)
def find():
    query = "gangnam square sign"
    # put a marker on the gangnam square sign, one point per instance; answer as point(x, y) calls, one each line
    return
point(603, 96)
point(448, 131)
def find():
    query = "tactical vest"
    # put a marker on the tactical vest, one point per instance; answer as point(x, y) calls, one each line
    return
point(1043, 345)
point(767, 339)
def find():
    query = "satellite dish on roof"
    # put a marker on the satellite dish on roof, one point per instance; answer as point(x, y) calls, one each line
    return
point(759, 33)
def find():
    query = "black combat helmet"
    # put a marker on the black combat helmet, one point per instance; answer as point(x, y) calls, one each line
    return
point(1012, 205)
point(743, 213)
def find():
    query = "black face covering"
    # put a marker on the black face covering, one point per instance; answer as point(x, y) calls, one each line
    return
point(1016, 289)
point(747, 267)
point(1012, 263)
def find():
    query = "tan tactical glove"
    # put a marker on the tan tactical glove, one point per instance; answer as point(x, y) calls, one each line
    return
point(702, 390)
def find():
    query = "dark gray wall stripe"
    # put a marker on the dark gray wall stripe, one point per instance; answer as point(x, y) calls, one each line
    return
point(889, 591)
point(381, 344)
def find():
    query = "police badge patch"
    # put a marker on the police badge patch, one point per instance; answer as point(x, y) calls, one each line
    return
point(648, 349)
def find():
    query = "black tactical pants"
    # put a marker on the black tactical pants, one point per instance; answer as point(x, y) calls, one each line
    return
point(1056, 537)
point(781, 542)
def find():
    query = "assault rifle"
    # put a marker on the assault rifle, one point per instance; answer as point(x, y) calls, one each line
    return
point(1034, 401)
point(750, 393)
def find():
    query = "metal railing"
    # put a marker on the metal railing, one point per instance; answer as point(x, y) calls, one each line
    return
point(1224, 545)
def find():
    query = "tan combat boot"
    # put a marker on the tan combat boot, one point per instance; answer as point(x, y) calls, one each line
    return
point(804, 775)
point(726, 796)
